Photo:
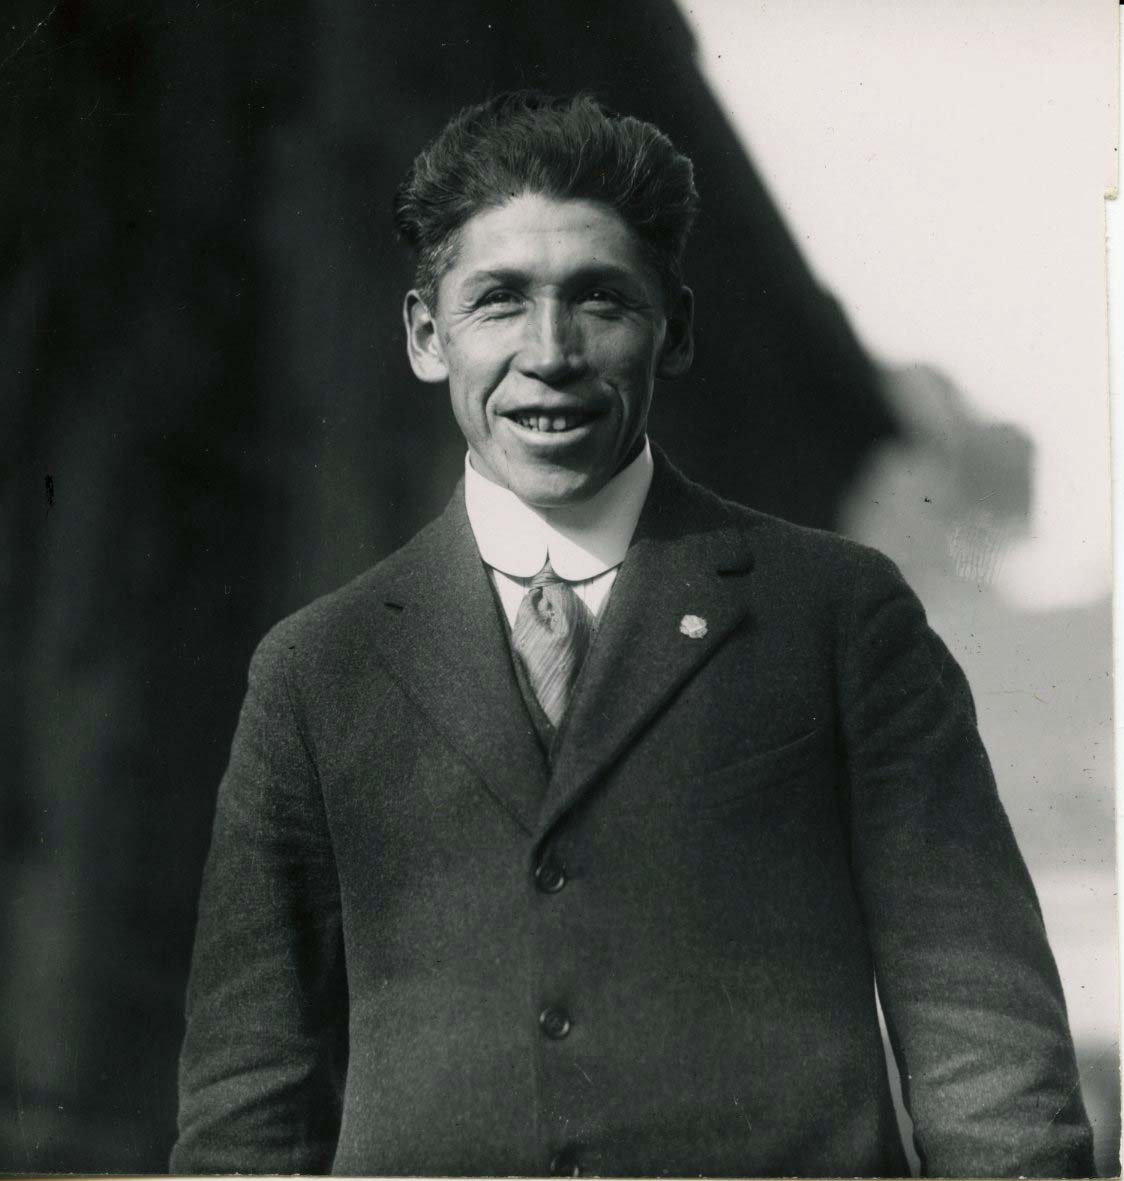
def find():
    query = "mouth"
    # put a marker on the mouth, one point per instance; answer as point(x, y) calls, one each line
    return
point(551, 424)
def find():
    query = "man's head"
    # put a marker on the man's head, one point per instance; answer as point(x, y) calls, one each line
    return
point(549, 235)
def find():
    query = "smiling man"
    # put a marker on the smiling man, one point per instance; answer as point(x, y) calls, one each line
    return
point(574, 836)
point(550, 327)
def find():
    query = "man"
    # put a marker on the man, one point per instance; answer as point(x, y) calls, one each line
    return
point(575, 835)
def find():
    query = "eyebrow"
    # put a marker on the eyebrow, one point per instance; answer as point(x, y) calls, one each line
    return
point(512, 277)
point(597, 272)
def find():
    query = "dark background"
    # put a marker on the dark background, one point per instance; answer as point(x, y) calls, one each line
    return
point(208, 420)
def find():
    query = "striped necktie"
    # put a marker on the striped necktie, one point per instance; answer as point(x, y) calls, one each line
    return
point(551, 636)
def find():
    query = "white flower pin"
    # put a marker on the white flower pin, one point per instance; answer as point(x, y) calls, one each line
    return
point(693, 627)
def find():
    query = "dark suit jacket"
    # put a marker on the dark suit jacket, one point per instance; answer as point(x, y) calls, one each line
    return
point(752, 825)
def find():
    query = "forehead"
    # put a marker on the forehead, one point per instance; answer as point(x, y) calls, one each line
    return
point(547, 239)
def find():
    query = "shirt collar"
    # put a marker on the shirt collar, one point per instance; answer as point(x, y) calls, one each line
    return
point(581, 540)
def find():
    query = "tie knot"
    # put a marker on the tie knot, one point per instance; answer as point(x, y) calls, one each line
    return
point(546, 577)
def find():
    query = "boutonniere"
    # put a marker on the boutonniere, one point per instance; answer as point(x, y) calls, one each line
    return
point(693, 627)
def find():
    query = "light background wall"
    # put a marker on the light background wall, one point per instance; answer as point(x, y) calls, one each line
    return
point(943, 168)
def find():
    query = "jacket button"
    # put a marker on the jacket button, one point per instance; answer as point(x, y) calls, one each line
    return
point(565, 1164)
point(550, 875)
point(555, 1023)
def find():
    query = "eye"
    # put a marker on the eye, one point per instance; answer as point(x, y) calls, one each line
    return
point(601, 295)
point(500, 297)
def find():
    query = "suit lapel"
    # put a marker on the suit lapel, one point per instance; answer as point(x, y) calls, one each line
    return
point(443, 640)
point(687, 559)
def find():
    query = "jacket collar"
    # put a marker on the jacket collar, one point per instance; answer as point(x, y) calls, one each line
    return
point(678, 596)
point(445, 643)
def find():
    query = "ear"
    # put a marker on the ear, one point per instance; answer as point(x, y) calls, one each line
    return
point(423, 345)
point(679, 342)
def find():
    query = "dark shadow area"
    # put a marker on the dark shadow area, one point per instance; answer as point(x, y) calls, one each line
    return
point(202, 353)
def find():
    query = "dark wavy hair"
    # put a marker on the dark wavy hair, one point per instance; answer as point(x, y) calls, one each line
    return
point(562, 147)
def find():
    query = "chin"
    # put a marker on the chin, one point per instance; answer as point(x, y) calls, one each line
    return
point(555, 490)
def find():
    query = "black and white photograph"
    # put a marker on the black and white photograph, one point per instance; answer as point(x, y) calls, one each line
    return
point(558, 588)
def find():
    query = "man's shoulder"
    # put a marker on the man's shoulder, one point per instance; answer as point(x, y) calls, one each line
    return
point(783, 548)
point(339, 626)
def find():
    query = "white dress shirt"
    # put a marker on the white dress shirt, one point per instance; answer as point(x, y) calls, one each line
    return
point(585, 542)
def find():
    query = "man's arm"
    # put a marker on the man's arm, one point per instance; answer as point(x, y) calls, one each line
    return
point(967, 982)
point(262, 1062)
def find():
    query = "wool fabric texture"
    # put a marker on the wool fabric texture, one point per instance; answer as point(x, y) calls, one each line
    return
point(424, 948)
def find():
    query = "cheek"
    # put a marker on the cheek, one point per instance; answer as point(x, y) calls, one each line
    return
point(625, 355)
point(631, 376)
point(473, 373)
point(469, 389)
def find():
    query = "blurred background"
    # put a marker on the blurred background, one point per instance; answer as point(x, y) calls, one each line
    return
point(207, 418)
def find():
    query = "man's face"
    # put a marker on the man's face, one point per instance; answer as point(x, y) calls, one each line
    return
point(550, 328)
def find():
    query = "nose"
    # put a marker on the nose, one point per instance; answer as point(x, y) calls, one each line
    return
point(551, 349)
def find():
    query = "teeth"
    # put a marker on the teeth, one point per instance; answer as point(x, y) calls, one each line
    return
point(548, 422)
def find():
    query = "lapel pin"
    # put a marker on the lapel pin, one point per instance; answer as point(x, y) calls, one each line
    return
point(693, 626)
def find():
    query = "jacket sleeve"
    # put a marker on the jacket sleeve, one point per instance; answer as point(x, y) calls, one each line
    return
point(968, 986)
point(265, 1047)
